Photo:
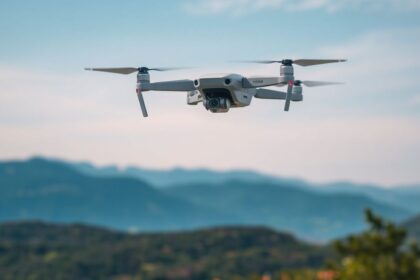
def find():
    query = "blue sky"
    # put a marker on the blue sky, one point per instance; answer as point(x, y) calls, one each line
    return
point(365, 131)
point(65, 34)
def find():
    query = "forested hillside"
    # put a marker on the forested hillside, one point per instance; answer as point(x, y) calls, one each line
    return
point(46, 251)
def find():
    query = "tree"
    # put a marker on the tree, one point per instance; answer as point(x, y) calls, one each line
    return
point(380, 253)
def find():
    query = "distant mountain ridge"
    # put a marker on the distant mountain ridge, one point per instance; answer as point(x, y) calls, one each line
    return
point(178, 176)
point(407, 197)
point(59, 192)
point(413, 227)
point(40, 189)
point(321, 215)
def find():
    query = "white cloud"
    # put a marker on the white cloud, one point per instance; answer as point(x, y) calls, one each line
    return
point(381, 75)
point(360, 132)
point(240, 7)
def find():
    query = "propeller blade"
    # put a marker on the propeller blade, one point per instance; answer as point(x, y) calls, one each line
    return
point(120, 70)
point(130, 70)
point(288, 96)
point(310, 62)
point(300, 62)
point(319, 83)
point(162, 69)
point(257, 61)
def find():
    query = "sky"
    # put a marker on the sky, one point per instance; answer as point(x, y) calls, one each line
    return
point(365, 131)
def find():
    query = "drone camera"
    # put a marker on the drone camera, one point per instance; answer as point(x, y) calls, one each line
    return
point(217, 104)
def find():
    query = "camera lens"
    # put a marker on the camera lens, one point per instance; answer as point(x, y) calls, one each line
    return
point(214, 102)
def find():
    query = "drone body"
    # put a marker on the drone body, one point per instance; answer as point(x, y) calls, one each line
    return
point(219, 93)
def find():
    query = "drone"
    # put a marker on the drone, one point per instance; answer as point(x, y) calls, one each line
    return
point(220, 93)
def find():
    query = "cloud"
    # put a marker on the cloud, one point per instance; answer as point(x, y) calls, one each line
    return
point(363, 131)
point(241, 7)
point(380, 76)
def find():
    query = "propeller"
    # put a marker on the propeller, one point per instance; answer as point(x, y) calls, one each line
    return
point(300, 62)
point(316, 83)
point(145, 70)
point(292, 83)
point(130, 70)
point(312, 83)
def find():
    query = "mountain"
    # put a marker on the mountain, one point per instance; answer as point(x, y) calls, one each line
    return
point(406, 197)
point(48, 251)
point(48, 190)
point(179, 176)
point(413, 227)
point(59, 192)
point(313, 215)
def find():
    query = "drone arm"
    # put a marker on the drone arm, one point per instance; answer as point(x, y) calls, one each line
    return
point(177, 85)
point(257, 82)
point(270, 94)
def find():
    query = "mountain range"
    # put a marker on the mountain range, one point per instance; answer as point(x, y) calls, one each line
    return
point(413, 227)
point(51, 191)
point(407, 196)
point(61, 191)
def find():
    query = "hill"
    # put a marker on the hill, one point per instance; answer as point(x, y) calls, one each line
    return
point(47, 251)
point(57, 192)
point(40, 189)
point(406, 197)
point(313, 215)
point(181, 176)
point(413, 227)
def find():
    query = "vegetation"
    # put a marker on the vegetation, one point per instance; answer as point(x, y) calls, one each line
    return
point(56, 192)
point(35, 250)
point(45, 251)
point(413, 227)
point(380, 253)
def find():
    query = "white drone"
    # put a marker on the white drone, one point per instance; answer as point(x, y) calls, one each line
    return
point(219, 93)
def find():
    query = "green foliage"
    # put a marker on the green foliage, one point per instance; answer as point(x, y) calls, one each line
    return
point(46, 251)
point(413, 227)
point(381, 253)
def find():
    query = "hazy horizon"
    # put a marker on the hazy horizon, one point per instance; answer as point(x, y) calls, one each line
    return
point(122, 167)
